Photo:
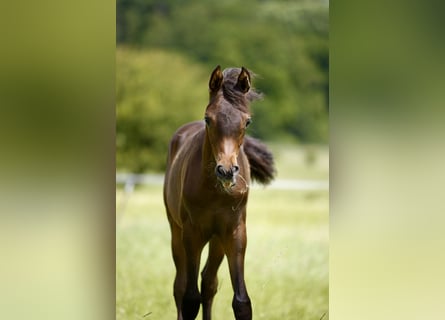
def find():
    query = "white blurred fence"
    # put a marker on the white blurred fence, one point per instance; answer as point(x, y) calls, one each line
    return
point(129, 180)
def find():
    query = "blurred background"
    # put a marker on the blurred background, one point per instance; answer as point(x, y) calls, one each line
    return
point(166, 51)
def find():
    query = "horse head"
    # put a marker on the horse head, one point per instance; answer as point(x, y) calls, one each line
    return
point(227, 117)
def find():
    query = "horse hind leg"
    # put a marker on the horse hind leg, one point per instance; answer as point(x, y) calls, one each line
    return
point(209, 282)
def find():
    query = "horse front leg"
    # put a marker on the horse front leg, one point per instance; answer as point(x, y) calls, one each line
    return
point(209, 279)
point(179, 259)
point(235, 247)
point(193, 245)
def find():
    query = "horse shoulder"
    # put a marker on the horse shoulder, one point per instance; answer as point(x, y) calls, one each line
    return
point(183, 149)
point(181, 136)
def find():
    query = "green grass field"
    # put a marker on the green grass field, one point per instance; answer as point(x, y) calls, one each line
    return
point(286, 261)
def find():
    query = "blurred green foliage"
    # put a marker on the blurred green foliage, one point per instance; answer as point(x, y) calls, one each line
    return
point(167, 50)
point(156, 92)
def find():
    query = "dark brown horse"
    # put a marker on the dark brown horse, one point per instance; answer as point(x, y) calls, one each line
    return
point(209, 168)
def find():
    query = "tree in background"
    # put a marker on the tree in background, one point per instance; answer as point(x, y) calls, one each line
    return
point(162, 81)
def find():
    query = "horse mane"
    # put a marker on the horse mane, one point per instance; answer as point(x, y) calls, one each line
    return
point(234, 96)
point(262, 167)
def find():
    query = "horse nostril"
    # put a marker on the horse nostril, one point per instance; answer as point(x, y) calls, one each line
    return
point(235, 170)
point(220, 171)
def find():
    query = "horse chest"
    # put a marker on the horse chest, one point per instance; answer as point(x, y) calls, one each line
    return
point(209, 201)
point(211, 210)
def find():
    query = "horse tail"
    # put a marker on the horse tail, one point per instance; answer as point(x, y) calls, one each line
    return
point(262, 167)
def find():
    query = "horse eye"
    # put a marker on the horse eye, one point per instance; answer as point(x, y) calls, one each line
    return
point(249, 121)
point(207, 120)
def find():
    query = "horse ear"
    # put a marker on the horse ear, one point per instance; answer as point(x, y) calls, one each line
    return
point(243, 83)
point(216, 79)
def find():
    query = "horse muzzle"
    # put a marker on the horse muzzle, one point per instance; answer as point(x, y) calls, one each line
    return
point(227, 176)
